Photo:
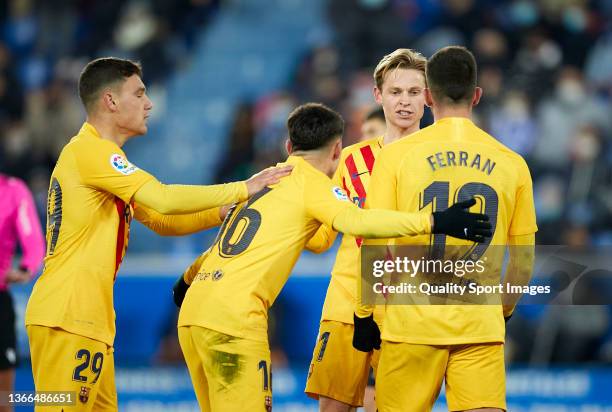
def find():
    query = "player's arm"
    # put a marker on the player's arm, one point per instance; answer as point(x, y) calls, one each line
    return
point(322, 240)
point(521, 238)
point(30, 237)
point(104, 166)
point(382, 194)
point(179, 199)
point(521, 257)
point(184, 281)
point(325, 236)
point(177, 225)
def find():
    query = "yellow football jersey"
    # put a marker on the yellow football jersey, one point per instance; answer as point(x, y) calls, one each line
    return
point(450, 161)
point(88, 220)
point(353, 175)
point(257, 246)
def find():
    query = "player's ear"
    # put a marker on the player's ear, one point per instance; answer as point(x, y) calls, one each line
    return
point(477, 96)
point(377, 95)
point(428, 97)
point(288, 146)
point(337, 150)
point(109, 100)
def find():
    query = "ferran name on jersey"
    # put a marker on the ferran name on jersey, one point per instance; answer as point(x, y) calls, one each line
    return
point(462, 159)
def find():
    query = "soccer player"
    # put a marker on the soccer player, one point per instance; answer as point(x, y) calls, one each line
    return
point(463, 345)
point(222, 323)
point(374, 124)
point(18, 223)
point(339, 373)
point(93, 194)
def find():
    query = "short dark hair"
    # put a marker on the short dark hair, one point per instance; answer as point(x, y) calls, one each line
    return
point(313, 125)
point(451, 75)
point(101, 73)
point(375, 113)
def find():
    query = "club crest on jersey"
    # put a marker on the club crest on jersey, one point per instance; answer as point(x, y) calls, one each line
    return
point(121, 164)
point(217, 274)
point(268, 403)
point(339, 193)
point(84, 394)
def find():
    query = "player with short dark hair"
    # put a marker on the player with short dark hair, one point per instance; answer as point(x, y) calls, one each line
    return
point(227, 292)
point(93, 194)
point(448, 162)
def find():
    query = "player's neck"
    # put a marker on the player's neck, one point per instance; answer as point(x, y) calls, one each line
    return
point(107, 131)
point(393, 133)
point(441, 112)
point(315, 158)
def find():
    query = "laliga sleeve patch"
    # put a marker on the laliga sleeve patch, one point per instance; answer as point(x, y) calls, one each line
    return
point(121, 164)
point(339, 193)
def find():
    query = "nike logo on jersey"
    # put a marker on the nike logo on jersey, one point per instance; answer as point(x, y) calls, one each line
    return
point(355, 175)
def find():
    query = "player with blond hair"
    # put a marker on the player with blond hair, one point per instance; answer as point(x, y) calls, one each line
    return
point(338, 373)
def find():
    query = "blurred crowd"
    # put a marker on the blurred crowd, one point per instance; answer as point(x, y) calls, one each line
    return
point(43, 47)
point(546, 70)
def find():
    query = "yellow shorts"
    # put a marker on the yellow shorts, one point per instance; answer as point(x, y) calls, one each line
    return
point(410, 376)
point(63, 361)
point(228, 373)
point(337, 370)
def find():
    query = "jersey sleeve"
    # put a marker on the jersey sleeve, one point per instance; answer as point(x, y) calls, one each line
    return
point(523, 221)
point(324, 200)
point(325, 236)
point(322, 240)
point(104, 166)
point(177, 225)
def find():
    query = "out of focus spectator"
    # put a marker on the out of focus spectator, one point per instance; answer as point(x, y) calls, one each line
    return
point(374, 124)
point(569, 107)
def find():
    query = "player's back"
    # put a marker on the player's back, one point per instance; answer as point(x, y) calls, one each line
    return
point(256, 248)
point(448, 162)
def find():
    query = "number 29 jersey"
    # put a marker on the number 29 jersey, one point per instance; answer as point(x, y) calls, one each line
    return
point(448, 162)
point(241, 275)
point(88, 221)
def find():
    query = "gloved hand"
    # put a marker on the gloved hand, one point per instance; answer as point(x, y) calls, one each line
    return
point(366, 335)
point(179, 290)
point(456, 221)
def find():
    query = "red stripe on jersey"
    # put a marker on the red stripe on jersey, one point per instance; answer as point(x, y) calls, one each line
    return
point(346, 189)
point(368, 157)
point(355, 179)
point(120, 235)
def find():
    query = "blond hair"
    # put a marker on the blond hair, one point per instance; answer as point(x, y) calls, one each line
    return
point(399, 59)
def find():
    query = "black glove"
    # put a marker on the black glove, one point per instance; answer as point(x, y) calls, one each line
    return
point(456, 221)
point(179, 290)
point(366, 335)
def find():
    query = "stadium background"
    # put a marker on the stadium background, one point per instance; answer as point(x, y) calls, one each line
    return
point(223, 76)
